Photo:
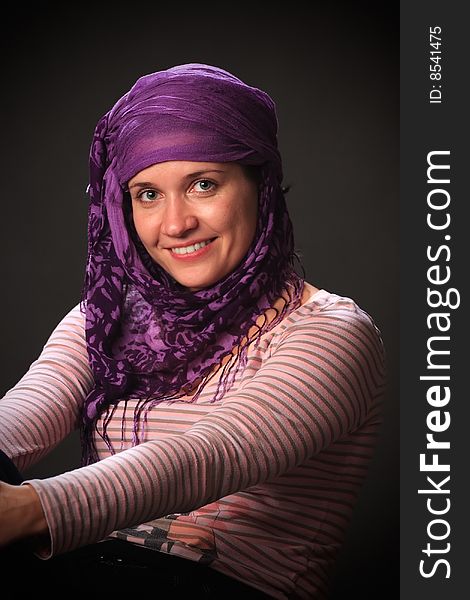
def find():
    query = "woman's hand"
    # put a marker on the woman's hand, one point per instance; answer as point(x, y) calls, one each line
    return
point(21, 514)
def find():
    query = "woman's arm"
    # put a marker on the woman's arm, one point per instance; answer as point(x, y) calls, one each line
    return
point(21, 514)
point(320, 383)
point(43, 407)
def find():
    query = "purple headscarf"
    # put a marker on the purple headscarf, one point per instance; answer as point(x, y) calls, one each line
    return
point(147, 336)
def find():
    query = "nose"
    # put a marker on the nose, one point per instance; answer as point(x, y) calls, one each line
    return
point(178, 217)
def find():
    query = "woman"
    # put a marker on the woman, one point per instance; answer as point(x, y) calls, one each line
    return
point(228, 408)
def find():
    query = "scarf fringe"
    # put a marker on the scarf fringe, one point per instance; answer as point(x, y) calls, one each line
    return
point(237, 363)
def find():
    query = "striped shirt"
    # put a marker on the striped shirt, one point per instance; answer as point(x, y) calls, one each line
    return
point(259, 485)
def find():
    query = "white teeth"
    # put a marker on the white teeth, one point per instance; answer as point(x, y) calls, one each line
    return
point(189, 249)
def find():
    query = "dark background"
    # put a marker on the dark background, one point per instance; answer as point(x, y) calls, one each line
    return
point(333, 71)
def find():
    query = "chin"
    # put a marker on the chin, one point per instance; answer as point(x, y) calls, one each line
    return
point(196, 286)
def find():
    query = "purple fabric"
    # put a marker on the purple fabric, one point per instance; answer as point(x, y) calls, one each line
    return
point(147, 336)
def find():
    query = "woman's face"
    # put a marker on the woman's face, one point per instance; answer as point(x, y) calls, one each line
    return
point(177, 204)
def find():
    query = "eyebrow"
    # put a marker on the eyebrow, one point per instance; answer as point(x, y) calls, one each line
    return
point(142, 184)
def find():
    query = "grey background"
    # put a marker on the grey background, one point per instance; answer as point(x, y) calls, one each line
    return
point(333, 72)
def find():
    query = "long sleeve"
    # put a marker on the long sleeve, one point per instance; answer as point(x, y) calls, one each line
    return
point(323, 378)
point(43, 407)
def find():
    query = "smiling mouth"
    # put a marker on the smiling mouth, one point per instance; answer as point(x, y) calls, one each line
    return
point(192, 248)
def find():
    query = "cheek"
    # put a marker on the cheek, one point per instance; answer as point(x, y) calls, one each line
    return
point(145, 236)
point(248, 217)
point(139, 230)
point(242, 213)
point(142, 226)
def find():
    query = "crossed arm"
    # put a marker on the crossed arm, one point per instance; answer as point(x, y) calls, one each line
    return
point(319, 383)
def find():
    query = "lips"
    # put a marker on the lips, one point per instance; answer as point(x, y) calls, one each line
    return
point(193, 253)
point(191, 243)
point(190, 248)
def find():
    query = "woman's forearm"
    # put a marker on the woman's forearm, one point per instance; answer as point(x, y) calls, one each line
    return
point(21, 514)
point(43, 408)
